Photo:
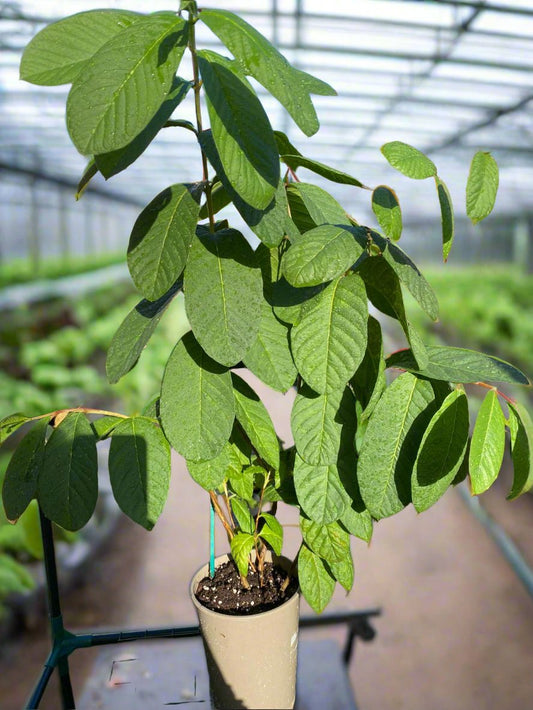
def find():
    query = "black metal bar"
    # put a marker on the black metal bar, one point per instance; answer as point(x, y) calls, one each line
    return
point(113, 637)
point(347, 617)
point(67, 695)
point(50, 567)
point(38, 691)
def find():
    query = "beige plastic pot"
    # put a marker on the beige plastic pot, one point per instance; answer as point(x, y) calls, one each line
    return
point(251, 659)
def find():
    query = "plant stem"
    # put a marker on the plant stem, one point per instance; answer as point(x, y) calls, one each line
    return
point(501, 394)
point(221, 516)
point(85, 410)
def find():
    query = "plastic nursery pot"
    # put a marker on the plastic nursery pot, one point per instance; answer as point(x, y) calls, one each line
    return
point(251, 659)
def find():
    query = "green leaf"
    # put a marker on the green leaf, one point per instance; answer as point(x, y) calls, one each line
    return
point(316, 582)
point(387, 209)
point(487, 445)
point(320, 255)
point(447, 217)
point(391, 444)
point(258, 58)
point(369, 380)
point(441, 452)
point(241, 511)
point(459, 365)
point(90, 171)
point(358, 522)
point(521, 428)
point(241, 546)
point(10, 424)
point(252, 415)
point(14, 577)
point(409, 160)
point(197, 405)
point(482, 186)
point(355, 519)
point(320, 422)
point(331, 541)
point(116, 161)
point(139, 469)
point(241, 130)
point(320, 491)
point(211, 473)
point(343, 571)
point(312, 206)
point(134, 333)
point(123, 85)
point(103, 426)
point(272, 532)
point(329, 342)
point(242, 482)
point(223, 294)
point(161, 238)
point(68, 483)
point(58, 53)
point(20, 481)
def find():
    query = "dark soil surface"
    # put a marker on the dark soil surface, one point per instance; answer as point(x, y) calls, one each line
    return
point(225, 593)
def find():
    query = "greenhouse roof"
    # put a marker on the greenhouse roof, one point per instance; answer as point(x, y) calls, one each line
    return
point(447, 77)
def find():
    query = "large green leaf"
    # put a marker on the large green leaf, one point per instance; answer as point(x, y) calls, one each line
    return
point(272, 532)
point(241, 546)
point(482, 186)
point(459, 365)
point(329, 342)
point(330, 541)
point(320, 255)
point(60, 50)
point(343, 571)
point(241, 512)
point(312, 206)
point(316, 582)
point(10, 424)
point(441, 451)
point(387, 209)
point(320, 492)
point(67, 488)
point(223, 294)
point(134, 333)
point(252, 415)
point(197, 405)
point(521, 428)
point(369, 380)
point(261, 60)
point(124, 83)
point(161, 238)
point(320, 423)
point(241, 130)
point(487, 445)
point(20, 481)
point(391, 444)
point(210, 474)
point(447, 217)
point(139, 469)
point(408, 160)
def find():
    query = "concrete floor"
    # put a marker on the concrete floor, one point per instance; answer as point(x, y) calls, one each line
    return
point(457, 626)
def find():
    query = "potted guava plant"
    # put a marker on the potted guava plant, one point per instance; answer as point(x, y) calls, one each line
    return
point(294, 312)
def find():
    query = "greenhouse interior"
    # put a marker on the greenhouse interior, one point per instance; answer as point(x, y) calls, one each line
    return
point(441, 603)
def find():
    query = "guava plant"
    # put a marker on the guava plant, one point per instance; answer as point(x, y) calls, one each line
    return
point(294, 311)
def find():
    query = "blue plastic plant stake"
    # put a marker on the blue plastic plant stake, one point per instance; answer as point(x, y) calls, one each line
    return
point(212, 543)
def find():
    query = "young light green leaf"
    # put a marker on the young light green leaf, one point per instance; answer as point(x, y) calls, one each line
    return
point(20, 481)
point(10, 424)
point(60, 50)
point(210, 474)
point(272, 532)
point(387, 209)
point(487, 445)
point(252, 415)
point(320, 492)
point(331, 541)
point(242, 482)
point(521, 428)
point(223, 294)
point(197, 404)
point(241, 512)
point(441, 452)
point(408, 160)
point(482, 186)
point(391, 444)
point(343, 571)
point(316, 583)
point(139, 469)
point(241, 546)
point(67, 488)
point(124, 83)
point(329, 342)
point(447, 217)
point(247, 151)
point(459, 365)
point(369, 380)
point(258, 58)
point(311, 206)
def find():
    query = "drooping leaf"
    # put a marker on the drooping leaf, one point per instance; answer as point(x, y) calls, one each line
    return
point(58, 53)
point(241, 131)
point(358, 523)
point(329, 341)
point(139, 469)
point(441, 451)
point(330, 541)
point(223, 294)
point(487, 445)
point(10, 424)
point(387, 209)
point(391, 444)
point(241, 546)
point(90, 171)
point(343, 571)
point(123, 85)
point(369, 380)
point(521, 428)
point(482, 186)
point(241, 512)
point(447, 217)
point(272, 532)
point(459, 365)
point(20, 481)
point(197, 405)
point(408, 160)
point(355, 519)
point(210, 474)
point(258, 58)
point(316, 582)
point(67, 488)
point(311, 206)
point(103, 426)
point(320, 492)
point(134, 333)
point(252, 415)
